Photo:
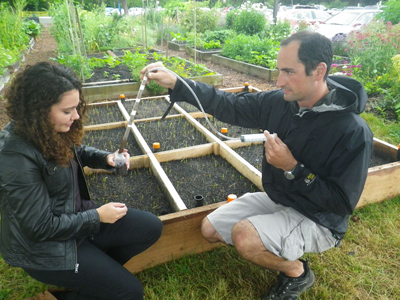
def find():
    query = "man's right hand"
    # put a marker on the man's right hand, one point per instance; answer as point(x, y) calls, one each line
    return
point(161, 76)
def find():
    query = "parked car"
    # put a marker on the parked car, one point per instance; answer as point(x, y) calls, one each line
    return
point(117, 11)
point(340, 25)
point(310, 16)
point(108, 10)
point(135, 11)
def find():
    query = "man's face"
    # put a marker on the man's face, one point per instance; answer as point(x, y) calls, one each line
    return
point(292, 79)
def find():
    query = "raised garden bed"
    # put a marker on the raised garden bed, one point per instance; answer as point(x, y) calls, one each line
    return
point(184, 172)
point(177, 46)
point(268, 74)
point(95, 91)
point(204, 54)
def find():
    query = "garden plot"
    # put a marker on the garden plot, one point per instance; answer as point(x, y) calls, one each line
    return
point(210, 176)
point(110, 140)
point(171, 133)
point(104, 113)
point(212, 168)
point(139, 189)
point(150, 108)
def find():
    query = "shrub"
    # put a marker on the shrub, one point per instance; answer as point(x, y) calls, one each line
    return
point(250, 22)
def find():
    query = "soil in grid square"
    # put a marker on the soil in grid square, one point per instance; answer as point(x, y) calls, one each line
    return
point(171, 133)
point(253, 154)
point(103, 114)
point(233, 131)
point(149, 108)
point(110, 140)
point(377, 160)
point(188, 107)
point(210, 176)
point(139, 189)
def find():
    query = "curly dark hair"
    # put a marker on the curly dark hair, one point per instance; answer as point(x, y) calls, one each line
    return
point(30, 96)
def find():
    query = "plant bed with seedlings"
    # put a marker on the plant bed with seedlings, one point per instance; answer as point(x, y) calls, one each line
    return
point(150, 108)
point(110, 140)
point(210, 176)
point(139, 189)
point(171, 133)
point(104, 113)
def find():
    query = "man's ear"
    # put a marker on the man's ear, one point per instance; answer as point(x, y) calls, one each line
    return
point(321, 71)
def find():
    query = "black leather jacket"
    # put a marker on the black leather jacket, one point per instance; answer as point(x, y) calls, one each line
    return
point(39, 222)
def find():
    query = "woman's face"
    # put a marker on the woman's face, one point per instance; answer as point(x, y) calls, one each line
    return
point(64, 113)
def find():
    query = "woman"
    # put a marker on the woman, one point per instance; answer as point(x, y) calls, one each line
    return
point(49, 226)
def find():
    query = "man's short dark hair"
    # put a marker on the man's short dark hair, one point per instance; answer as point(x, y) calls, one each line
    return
point(314, 49)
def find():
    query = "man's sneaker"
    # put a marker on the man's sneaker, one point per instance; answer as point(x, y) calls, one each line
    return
point(289, 288)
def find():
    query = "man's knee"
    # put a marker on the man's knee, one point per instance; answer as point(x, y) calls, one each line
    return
point(208, 231)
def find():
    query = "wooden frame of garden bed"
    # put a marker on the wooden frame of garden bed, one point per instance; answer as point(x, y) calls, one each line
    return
point(181, 234)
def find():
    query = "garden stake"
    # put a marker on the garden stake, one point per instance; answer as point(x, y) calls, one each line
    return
point(122, 161)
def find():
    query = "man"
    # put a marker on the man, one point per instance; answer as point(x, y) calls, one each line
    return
point(314, 166)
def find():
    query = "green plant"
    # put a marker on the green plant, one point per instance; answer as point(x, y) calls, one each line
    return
point(32, 28)
point(249, 22)
point(78, 63)
point(373, 47)
point(178, 37)
point(212, 44)
point(252, 49)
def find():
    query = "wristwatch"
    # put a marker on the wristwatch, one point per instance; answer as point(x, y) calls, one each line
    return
point(295, 172)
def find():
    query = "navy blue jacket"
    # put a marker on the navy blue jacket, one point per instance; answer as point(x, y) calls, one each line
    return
point(331, 139)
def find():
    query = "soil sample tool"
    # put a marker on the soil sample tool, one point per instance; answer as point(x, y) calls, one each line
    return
point(120, 160)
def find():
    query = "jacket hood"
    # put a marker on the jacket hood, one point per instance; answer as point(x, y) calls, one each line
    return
point(349, 95)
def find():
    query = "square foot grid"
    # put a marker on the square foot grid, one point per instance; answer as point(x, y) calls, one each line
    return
point(171, 133)
point(139, 189)
point(149, 108)
point(103, 114)
point(210, 176)
point(110, 140)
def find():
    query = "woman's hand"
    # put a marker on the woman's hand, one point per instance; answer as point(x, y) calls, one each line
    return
point(163, 78)
point(111, 158)
point(112, 212)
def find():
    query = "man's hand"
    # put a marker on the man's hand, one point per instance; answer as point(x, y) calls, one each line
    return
point(163, 78)
point(277, 153)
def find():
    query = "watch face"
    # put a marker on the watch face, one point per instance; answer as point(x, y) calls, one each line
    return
point(289, 175)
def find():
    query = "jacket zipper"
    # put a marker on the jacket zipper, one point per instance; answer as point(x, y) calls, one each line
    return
point(74, 208)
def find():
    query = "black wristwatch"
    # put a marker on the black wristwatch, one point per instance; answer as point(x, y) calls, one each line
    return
point(295, 172)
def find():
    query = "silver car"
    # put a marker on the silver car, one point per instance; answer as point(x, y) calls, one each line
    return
point(340, 25)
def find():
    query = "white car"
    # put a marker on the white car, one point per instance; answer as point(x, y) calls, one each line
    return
point(309, 16)
point(340, 25)
point(135, 11)
point(117, 11)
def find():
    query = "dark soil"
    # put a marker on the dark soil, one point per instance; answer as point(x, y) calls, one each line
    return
point(139, 189)
point(120, 72)
point(210, 176)
point(171, 133)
